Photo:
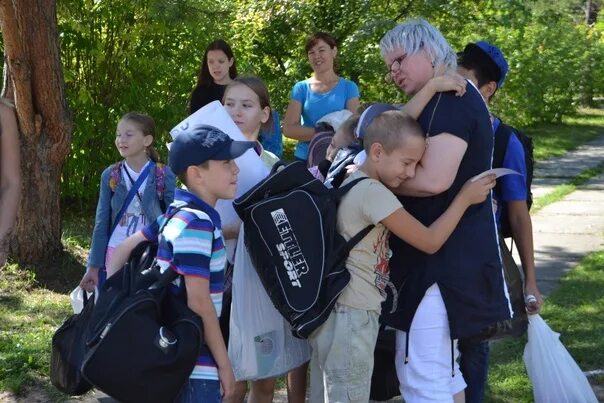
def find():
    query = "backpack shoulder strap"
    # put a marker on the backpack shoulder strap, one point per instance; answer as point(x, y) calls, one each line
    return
point(160, 179)
point(160, 184)
point(340, 192)
point(170, 275)
point(358, 237)
point(114, 175)
point(503, 133)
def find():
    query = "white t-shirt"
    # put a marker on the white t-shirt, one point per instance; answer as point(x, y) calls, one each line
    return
point(368, 202)
point(133, 218)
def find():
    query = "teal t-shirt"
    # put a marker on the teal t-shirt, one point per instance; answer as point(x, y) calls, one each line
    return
point(315, 105)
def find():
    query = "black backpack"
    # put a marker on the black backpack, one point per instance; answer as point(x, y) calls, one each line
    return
point(502, 138)
point(290, 234)
point(144, 340)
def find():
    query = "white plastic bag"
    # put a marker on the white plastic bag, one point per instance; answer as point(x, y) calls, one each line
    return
point(252, 168)
point(77, 299)
point(261, 344)
point(555, 376)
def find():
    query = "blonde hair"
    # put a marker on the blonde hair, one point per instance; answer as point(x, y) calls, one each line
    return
point(390, 129)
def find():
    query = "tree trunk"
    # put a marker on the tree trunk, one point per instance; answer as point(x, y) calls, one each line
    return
point(591, 11)
point(34, 80)
point(587, 96)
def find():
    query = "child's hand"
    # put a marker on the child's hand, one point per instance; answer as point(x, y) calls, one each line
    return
point(90, 279)
point(227, 382)
point(533, 299)
point(351, 168)
point(474, 192)
point(449, 82)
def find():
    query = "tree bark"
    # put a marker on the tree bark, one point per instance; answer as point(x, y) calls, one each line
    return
point(34, 80)
point(591, 11)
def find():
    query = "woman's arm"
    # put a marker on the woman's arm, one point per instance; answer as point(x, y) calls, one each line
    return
point(291, 123)
point(10, 180)
point(353, 104)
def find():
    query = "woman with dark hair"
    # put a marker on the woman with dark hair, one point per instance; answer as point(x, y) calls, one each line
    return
point(218, 69)
point(10, 175)
point(324, 92)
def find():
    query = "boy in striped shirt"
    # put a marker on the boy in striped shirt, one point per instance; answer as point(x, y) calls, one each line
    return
point(191, 243)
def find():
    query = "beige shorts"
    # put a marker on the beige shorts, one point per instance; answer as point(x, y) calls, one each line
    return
point(342, 356)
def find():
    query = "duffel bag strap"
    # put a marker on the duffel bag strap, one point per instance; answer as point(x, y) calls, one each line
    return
point(169, 275)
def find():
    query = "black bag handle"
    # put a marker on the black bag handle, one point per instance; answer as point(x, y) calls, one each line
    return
point(342, 190)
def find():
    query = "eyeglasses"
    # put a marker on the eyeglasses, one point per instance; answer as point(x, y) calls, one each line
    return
point(395, 67)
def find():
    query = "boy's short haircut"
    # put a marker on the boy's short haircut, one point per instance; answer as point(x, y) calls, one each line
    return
point(183, 175)
point(390, 129)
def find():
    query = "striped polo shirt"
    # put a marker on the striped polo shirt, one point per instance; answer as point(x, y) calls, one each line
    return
point(192, 245)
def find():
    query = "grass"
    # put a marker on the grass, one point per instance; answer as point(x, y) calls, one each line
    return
point(29, 315)
point(576, 311)
point(33, 304)
point(562, 191)
point(555, 139)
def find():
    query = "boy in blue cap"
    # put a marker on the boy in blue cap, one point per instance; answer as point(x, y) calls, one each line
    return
point(484, 65)
point(191, 243)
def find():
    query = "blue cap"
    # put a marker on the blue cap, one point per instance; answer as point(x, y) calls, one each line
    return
point(368, 115)
point(497, 57)
point(204, 143)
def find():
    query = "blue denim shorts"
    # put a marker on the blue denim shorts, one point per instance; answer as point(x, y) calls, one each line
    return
point(200, 390)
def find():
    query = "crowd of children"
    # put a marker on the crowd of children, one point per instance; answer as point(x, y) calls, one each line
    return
point(380, 143)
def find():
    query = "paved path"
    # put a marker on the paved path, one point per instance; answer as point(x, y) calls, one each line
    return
point(567, 230)
point(560, 170)
point(564, 232)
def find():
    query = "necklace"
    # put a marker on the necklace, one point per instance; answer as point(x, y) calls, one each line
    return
point(431, 119)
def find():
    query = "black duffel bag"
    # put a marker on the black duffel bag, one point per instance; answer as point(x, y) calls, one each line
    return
point(518, 324)
point(146, 341)
point(68, 349)
point(384, 380)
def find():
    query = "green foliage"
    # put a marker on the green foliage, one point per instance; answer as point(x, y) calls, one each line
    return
point(555, 139)
point(547, 71)
point(144, 55)
point(127, 56)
